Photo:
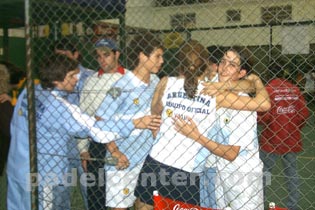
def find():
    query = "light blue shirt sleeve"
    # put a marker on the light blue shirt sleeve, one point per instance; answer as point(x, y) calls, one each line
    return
point(57, 114)
point(74, 97)
point(109, 112)
point(84, 125)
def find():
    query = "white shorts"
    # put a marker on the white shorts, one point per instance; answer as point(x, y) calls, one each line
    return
point(120, 187)
point(241, 190)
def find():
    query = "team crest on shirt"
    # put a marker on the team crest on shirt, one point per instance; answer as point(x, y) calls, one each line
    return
point(125, 191)
point(169, 112)
point(136, 101)
point(114, 92)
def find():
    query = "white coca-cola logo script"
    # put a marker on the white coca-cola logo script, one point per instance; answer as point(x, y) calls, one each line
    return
point(177, 207)
point(286, 110)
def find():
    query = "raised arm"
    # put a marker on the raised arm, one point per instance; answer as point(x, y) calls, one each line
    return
point(156, 104)
point(245, 85)
point(260, 102)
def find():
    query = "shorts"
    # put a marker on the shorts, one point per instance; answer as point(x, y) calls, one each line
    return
point(120, 186)
point(54, 197)
point(170, 182)
point(242, 190)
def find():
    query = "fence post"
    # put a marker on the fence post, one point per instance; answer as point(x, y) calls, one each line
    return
point(31, 105)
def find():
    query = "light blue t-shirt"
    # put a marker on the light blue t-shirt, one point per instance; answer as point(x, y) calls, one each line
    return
point(74, 98)
point(57, 121)
point(128, 99)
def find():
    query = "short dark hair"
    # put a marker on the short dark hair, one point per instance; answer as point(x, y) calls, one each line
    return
point(55, 68)
point(145, 43)
point(245, 58)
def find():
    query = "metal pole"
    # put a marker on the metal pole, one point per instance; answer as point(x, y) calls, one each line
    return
point(6, 43)
point(31, 106)
point(270, 44)
point(123, 38)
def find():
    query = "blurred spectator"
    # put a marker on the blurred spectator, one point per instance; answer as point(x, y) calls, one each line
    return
point(16, 81)
point(6, 110)
point(11, 81)
point(281, 135)
point(309, 87)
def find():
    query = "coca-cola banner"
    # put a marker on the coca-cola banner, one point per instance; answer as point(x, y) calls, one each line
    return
point(162, 203)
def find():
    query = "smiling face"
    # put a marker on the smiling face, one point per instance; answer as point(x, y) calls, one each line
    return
point(69, 82)
point(230, 67)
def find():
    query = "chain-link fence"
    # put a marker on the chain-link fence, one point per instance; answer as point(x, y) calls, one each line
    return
point(274, 37)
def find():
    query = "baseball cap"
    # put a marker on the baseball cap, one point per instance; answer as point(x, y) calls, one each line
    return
point(106, 45)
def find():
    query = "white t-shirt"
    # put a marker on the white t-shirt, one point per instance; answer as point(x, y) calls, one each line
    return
point(239, 128)
point(93, 93)
point(172, 148)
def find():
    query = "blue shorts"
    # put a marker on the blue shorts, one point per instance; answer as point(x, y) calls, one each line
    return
point(170, 182)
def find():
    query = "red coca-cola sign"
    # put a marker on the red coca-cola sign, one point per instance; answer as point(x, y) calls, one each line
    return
point(286, 110)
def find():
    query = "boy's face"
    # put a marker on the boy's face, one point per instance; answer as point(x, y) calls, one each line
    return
point(107, 60)
point(230, 67)
point(154, 61)
point(69, 82)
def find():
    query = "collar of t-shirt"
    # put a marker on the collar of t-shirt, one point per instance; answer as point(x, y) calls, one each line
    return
point(120, 70)
point(61, 93)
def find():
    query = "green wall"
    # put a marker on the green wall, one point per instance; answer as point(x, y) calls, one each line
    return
point(16, 51)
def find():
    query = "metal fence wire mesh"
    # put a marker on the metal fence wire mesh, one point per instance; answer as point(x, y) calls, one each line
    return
point(79, 166)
